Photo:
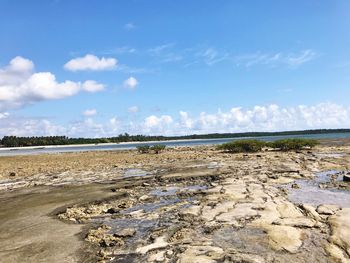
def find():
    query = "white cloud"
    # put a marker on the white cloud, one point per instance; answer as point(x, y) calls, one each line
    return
point(271, 118)
point(157, 125)
point(4, 115)
point(92, 86)
point(211, 56)
point(130, 26)
point(185, 121)
point(237, 119)
point(20, 85)
point(133, 109)
point(30, 127)
point(274, 59)
point(120, 50)
point(91, 62)
point(90, 112)
point(131, 83)
point(165, 53)
point(159, 49)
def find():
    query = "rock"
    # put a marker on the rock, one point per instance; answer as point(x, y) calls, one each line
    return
point(336, 253)
point(202, 254)
point(322, 186)
point(273, 176)
point(213, 209)
point(295, 186)
point(240, 211)
point(284, 238)
point(287, 209)
point(191, 211)
point(340, 229)
point(159, 257)
point(126, 232)
point(346, 177)
point(311, 211)
point(101, 236)
point(297, 222)
point(327, 209)
point(113, 210)
point(169, 253)
point(144, 198)
point(159, 242)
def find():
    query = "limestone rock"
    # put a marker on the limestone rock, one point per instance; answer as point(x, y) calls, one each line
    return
point(297, 222)
point(201, 254)
point(191, 211)
point(284, 238)
point(159, 242)
point(287, 209)
point(327, 209)
point(126, 232)
point(340, 223)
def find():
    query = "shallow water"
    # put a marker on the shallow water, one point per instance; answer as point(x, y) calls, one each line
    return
point(150, 207)
point(127, 146)
point(168, 191)
point(135, 173)
point(311, 193)
point(331, 155)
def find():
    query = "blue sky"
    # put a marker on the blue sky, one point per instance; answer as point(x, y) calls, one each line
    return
point(93, 68)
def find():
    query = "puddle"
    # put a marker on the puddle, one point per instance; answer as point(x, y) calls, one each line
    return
point(150, 207)
point(135, 173)
point(5, 184)
point(211, 165)
point(310, 192)
point(142, 227)
point(173, 190)
point(330, 155)
point(214, 165)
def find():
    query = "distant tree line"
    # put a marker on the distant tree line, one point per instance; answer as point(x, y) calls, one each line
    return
point(14, 141)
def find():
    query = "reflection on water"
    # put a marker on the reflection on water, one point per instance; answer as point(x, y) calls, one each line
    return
point(310, 192)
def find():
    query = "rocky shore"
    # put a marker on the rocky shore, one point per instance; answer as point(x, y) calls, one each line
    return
point(187, 205)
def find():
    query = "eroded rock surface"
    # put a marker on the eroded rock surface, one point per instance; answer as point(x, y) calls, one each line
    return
point(186, 209)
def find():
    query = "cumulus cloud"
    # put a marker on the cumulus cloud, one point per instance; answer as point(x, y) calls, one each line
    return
point(273, 118)
point(92, 86)
point(30, 127)
point(237, 119)
point(20, 85)
point(90, 112)
point(154, 124)
point(131, 83)
point(133, 109)
point(92, 63)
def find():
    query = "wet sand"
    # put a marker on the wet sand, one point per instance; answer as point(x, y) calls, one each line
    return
point(183, 205)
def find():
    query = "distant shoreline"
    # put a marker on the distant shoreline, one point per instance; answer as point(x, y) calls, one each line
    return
point(172, 139)
point(102, 144)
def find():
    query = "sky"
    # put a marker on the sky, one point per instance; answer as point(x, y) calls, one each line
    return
point(172, 67)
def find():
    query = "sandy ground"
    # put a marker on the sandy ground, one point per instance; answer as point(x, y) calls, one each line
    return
point(183, 205)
